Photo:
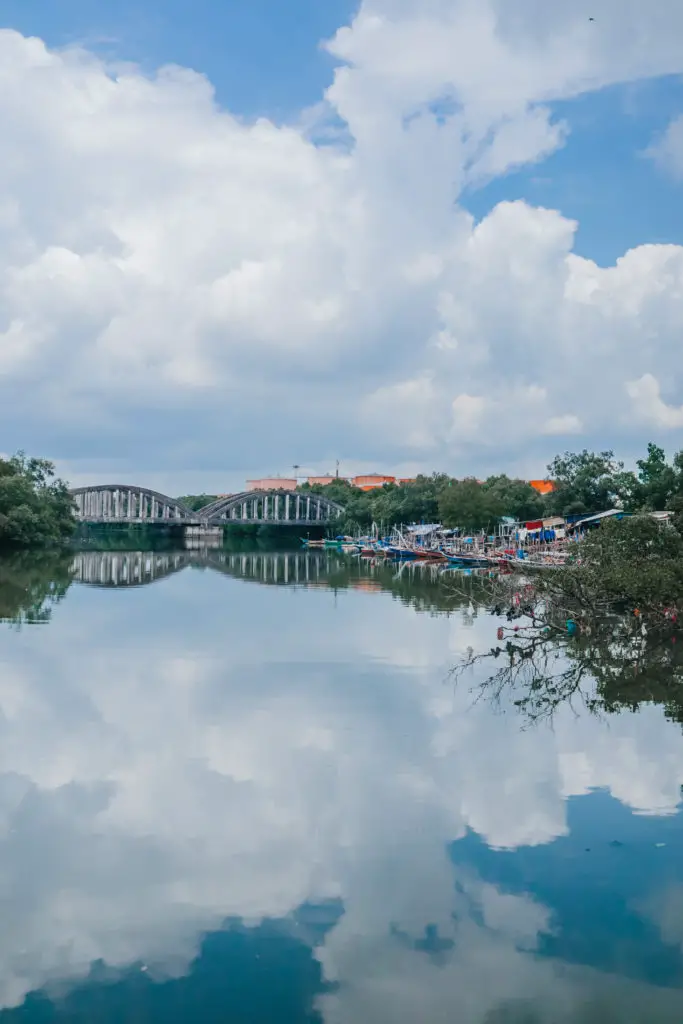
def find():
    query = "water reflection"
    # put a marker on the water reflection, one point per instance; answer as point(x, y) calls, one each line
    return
point(272, 976)
point(415, 584)
point(31, 586)
point(295, 759)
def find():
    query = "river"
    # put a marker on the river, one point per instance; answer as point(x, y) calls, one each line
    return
point(246, 787)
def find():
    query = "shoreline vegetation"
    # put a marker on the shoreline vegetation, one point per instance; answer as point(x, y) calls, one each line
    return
point(36, 509)
point(604, 630)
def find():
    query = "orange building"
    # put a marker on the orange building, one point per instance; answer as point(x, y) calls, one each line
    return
point(542, 486)
point(322, 480)
point(407, 480)
point(371, 481)
point(272, 483)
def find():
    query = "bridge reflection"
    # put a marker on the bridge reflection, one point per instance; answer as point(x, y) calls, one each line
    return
point(127, 568)
point(137, 568)
point(325, 569)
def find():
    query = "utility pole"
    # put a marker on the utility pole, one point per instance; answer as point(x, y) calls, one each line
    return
point(295, 467)
point(337, 474)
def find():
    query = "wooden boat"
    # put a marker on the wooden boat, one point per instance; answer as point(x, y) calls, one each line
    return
point(478, 561)
point(400, 553)
point(430, 556)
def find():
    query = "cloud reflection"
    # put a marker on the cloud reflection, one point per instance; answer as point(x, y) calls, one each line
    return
point(174, 755)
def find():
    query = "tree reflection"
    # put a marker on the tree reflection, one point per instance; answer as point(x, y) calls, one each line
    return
point(31, 585)
point(552, 651)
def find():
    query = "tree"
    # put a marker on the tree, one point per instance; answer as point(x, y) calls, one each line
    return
point(197, 501)
point(516, 498)
point(589, 482)
point(36, 508)
point(657, 480)
point(469, 505)
point(392, 504)
point(413, 502)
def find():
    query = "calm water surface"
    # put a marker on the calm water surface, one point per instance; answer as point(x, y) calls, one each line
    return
point(244, 788)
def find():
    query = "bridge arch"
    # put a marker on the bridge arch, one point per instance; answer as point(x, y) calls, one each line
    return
point(124, 503)
point(278, 508)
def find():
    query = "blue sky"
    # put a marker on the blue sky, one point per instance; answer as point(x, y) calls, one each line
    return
point(154, 301)
point(262, 56)
point(601, 177)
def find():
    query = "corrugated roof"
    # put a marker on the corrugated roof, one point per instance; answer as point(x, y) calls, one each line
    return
point(610, 513)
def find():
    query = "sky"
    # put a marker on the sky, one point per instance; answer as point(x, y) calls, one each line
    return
point(411, 235)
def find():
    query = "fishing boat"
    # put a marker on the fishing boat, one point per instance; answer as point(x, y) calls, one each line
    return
point(471, 560)
point(327, 542)
point(399, 553)
point(431, 556)
point(537, 560)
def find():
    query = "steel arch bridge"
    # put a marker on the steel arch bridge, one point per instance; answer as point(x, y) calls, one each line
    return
point(122, 503)
point(284, 508)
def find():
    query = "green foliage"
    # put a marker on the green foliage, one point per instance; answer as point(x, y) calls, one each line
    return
point(470, 505)
point(594, 481)
point(389, 505)
point(636, 562)
point(589, 482)
point(36, 509)
point(408, 503)
point(658, 482)
point(676, 506)
point(516, 498)
point(197, 501)
point(436, 498)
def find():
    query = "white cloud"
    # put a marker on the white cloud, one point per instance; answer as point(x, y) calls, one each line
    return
point(649, 405)
point(468, 412)
point(667, 150)
point(170, 273)
point(567, 424)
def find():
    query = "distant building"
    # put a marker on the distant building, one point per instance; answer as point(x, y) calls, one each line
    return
point(365, 482)
point(542, 486)
point(407, 480)
point(371, 481)
point(272, 483)
point(322, 480)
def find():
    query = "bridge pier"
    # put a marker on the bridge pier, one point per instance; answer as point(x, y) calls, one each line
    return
point(203, 536)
